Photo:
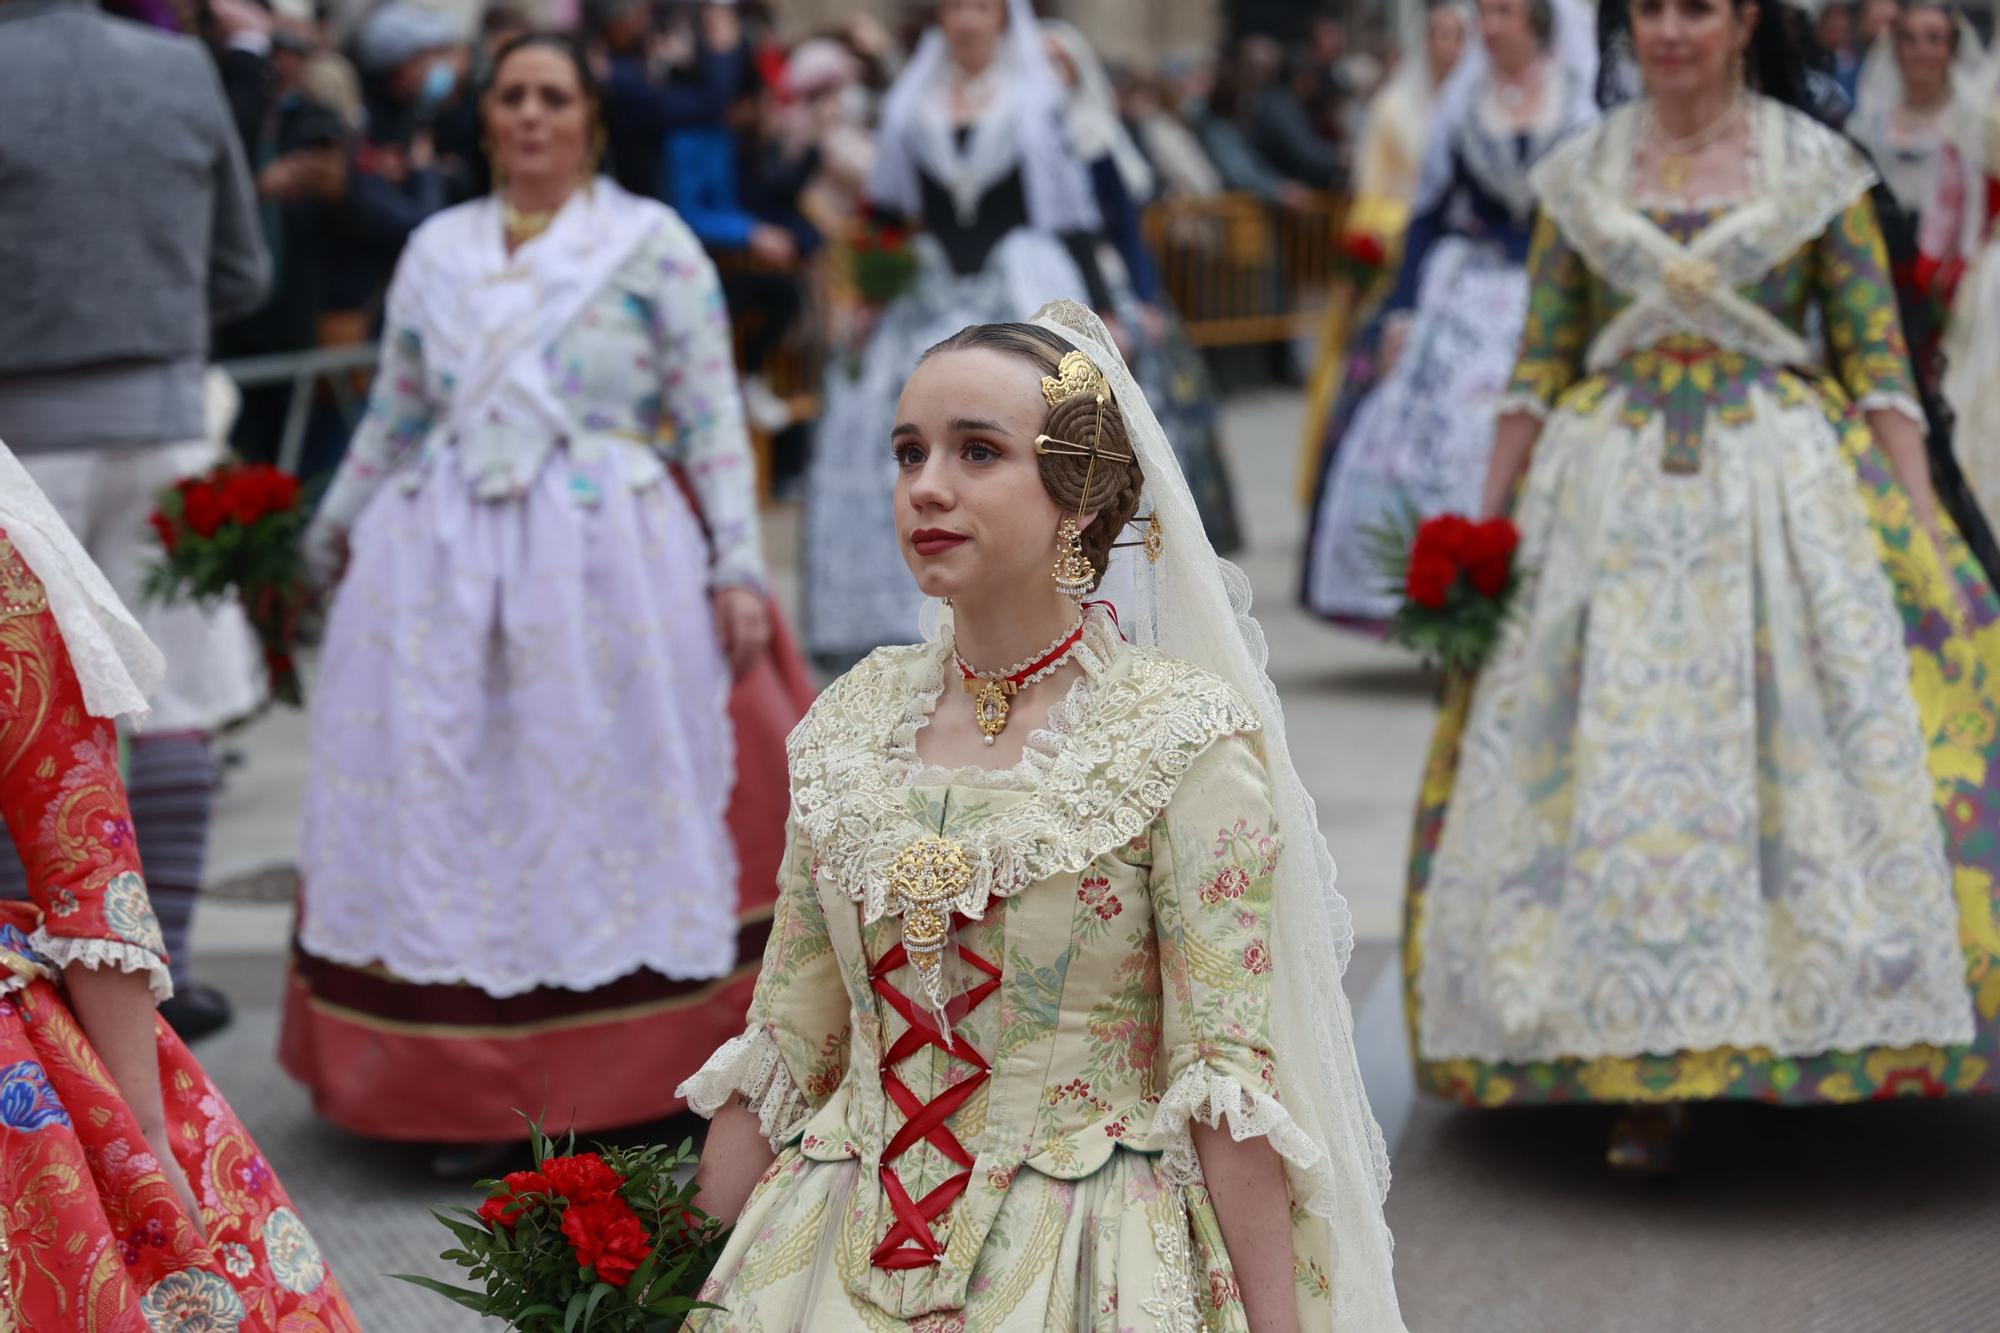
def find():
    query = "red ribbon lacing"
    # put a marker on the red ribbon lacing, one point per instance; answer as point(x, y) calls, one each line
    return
point(910, 1242)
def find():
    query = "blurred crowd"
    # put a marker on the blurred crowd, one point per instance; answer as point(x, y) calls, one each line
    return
point(358, 125)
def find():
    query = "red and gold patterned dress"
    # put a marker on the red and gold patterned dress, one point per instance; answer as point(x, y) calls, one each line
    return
point(93, 1236)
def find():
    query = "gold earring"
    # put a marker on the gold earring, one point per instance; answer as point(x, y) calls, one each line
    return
point(1073, 573)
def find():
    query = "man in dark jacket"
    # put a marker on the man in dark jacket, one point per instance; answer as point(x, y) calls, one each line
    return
point(127, 229)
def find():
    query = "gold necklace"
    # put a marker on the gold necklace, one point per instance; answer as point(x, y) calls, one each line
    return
point(521, 225)
point(1677, 155)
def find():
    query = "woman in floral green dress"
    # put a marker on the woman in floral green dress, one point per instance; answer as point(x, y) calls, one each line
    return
point(1718, 819)
point(1049, 1034)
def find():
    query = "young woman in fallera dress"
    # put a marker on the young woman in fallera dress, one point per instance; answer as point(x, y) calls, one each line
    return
point(1717, 819)
point(1049, 1033)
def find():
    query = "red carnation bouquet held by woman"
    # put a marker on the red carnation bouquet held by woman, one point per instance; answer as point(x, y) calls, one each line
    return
point(606, 1241)
point(1458, 581)
point(236, 529)
point(884, 264)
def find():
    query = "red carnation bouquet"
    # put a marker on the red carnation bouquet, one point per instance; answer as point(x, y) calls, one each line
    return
point(236, 529)
point(607, 1241)
point(884, 263)
point(1458, 581)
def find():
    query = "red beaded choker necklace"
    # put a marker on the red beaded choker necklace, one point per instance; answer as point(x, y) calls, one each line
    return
point(992, 693)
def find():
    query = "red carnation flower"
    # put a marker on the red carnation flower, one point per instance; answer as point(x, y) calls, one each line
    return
point(164, 528)
point(1446, 536)
point(1430, 579)
point(583, 1178)
point(1489, 555)
point(892, 238)
point(503, 1208)
point(1365, 249)
point(205, 509)
point(607, 1236)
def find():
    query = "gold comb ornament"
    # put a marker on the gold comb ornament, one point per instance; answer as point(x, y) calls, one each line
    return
point(1075, 374)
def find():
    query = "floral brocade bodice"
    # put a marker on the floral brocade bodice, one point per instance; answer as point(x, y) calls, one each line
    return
point(1110, 955)
point(1682, 311)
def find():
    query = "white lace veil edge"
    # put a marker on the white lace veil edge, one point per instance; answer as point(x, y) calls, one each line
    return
point(1195, 606)
point(118, 667)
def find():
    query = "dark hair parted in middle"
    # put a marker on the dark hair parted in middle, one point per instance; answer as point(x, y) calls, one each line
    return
point(1114, 485)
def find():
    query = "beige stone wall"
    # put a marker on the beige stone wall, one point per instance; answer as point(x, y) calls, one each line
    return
point(1135, 31)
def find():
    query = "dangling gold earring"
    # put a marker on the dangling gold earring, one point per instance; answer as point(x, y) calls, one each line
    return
point(1073, 572)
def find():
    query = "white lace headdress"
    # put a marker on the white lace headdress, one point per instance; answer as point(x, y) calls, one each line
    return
point(117, 665)
point(1572, 56)
point(1195, 606)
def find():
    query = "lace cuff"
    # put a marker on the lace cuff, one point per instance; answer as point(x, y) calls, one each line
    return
point(62, 950)
point(1522, 401)
point(753, 1067)
point(1900, 403)
point(1210, 1096)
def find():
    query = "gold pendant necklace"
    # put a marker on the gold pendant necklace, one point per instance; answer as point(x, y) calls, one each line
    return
point(993, 692)
point(522, 226)
point(1677, 155)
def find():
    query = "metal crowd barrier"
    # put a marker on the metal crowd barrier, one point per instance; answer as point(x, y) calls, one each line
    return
point(1239, 270)
point(342, 370)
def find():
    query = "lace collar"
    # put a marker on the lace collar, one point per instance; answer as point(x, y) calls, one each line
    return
point(1093, 780)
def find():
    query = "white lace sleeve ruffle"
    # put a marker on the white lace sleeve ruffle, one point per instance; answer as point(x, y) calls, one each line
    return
point(1203, 1093)
point(62, 950)
point(1522, 401)
point(1900, 403)
point(750, 1066)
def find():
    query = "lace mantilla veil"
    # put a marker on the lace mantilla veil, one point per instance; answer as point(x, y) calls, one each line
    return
point(117, 665)
point(1195, 606)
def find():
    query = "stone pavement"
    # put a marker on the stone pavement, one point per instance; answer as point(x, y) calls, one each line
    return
point(1843, 1221)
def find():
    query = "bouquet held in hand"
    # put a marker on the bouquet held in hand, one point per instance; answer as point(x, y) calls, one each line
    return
point(235, 530)
point(605, 1242)
point(1457, 579)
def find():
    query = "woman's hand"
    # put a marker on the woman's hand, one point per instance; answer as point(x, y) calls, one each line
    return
point(744, 624)
point(325, 550)
point(161, 1144)
point(733, 1159)
point(117, 1014)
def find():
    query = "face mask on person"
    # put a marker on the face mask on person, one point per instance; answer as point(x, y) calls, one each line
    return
point(440, 82)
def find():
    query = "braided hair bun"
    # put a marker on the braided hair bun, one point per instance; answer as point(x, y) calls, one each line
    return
point(1109, 488)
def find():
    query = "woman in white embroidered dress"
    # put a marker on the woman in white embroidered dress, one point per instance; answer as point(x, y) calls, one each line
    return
point(1050, 1033)
point(517, 857)
point(1716, 820)
point(1917, 114)
point(973, 149)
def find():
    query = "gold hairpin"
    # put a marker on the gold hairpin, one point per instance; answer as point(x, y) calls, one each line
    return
point(1075, 374)
point(1155, 540)
point(1070, 449)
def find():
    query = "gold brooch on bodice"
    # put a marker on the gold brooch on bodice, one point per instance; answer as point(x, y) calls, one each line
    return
point(926, 877)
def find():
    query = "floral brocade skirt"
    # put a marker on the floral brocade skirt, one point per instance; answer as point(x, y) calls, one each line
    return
point(1120, 1251)
point(92, 1236)
point(1954, 675)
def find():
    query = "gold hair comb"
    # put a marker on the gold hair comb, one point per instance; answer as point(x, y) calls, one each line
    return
point(1075, 374)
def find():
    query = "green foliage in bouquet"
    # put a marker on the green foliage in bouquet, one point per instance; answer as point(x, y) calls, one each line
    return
point(884, 263)
point(1457, 581)
point(596, 1242)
